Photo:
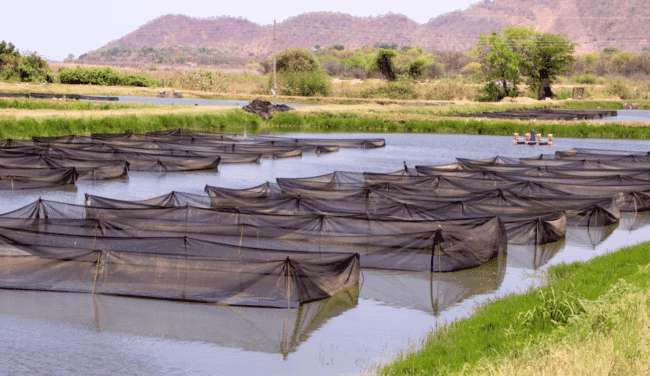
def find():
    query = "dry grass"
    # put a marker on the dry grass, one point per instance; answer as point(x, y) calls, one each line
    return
point(613, 338)
point(43, 113)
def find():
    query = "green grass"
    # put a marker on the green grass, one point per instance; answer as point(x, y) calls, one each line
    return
point(353, 122)
point(503, 327)
point(40, 104)
point(229, 121)
point(317, 122)
point(384, 119)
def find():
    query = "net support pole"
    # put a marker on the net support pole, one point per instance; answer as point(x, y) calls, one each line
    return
point(241, 238)
point(99, 259)
point(287, 268)
point(275, 85)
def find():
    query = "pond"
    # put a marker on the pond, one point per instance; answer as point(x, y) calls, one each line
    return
point(391, 312)
point(627, 115)
point(194, 102)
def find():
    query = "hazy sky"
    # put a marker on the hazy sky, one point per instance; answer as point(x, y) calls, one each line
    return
point(56, 28)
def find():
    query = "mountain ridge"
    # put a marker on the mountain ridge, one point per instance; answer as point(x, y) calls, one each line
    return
point(592, 24)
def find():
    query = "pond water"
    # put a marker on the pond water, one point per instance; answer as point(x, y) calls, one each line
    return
point(627, 115)
point(194, 102)
point(391, 312)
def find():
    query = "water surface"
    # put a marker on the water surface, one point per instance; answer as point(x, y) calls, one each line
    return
point(78, 334)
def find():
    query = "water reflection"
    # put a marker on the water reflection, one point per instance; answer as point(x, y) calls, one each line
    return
point(533, 256)
point(431, 292)
point(588, 236)
point(634, 221)
point(266, 330)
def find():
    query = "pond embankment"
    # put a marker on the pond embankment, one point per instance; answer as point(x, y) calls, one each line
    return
point(590, 317)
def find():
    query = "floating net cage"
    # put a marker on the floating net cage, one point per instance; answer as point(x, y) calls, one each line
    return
point(300, 240)
point(53, 161)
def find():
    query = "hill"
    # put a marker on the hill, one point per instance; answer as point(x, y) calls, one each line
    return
point(593, 24)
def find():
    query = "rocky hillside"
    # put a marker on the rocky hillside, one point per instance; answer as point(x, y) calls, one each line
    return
point(593, 24)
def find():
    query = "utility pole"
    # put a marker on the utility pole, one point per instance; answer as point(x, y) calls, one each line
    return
point(275, 85)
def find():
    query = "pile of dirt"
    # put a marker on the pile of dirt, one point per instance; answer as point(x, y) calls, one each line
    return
point(264, 109)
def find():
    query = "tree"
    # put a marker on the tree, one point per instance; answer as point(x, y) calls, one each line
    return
point(517, 51)
point(552, 55)
point(385, 63)
point(70, 57)
point(416, 68)
point(300, 74)
point(296, 60)
point(498, 53)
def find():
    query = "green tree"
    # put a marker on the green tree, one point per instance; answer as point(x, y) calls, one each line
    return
point(551, 55)
point(519, 51)
point(300, 74)
point(14, 66)
point(416, 68)
point(385, 63)
point(296, 60)
point(501, 55)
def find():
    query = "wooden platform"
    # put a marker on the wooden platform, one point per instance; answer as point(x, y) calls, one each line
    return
point(546, 114)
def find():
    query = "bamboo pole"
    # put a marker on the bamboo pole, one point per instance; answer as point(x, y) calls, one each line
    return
point(99, 257)
point(275, 85)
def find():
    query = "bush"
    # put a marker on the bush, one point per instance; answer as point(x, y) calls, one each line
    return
point(586, 79)
point(491, 92)
point(385, 63)
point(391, 90)
point(203, 81)
point(332, 67)
point(416, 68)
point(31, 68)
point(620, 89)
point(296, 60)
point(564, 93)
point(304, 84)
point(450, 91)
point(435, 70)
point(357, 73)
point(101, 76)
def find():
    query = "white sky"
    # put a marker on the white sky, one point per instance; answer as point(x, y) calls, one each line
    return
point(56, 28)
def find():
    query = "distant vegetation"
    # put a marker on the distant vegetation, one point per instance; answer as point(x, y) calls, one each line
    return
point(15, 67)
point(101, 76)
point(417, 73)
point(508, 54)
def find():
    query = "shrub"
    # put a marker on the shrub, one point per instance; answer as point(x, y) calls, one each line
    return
point(31, 68)
point(449, 91)
point(391, 90)
point(435, 70)
point(416, 68)
point(490, 93)
point(564, 93)
point(203, 80)
point(620, 89)
point(304, 84)
point(101, 76)
point(332, 67)
point(296, 60)
point(385, 63)
point(586, 79)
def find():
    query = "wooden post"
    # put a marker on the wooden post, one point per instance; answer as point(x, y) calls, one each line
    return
point(99, 258)
point(275, 85)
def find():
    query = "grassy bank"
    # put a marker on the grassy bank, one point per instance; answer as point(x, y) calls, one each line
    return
point(227, 121)
point(591, 318)
point(364, 119)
